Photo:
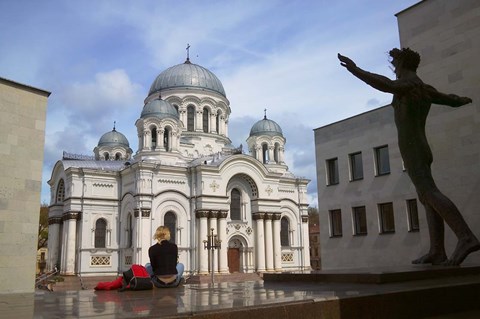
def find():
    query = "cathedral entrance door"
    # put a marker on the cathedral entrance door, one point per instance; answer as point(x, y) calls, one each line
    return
point(233, 260)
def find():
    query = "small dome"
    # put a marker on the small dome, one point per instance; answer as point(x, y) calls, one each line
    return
point(159, 108)
point(113, 138)
point(187, 75)
point(266, 127)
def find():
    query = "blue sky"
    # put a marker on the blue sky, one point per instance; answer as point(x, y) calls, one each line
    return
point(99, 58)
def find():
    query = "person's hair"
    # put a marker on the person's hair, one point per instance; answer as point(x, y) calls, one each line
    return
point(162, 233)
point(410, 59)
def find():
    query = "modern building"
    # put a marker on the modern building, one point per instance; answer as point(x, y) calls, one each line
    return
point(369, 211)
point(186, 175)
point(22, 138)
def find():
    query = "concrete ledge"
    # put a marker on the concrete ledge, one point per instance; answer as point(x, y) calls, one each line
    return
point(374, 275)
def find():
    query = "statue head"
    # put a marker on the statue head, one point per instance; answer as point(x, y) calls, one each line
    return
point(408, 59)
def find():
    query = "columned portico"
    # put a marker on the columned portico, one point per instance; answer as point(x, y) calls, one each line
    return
point(260, 241)
point(70, 221)
point(142, 215)
point(269, 242)
point(54, 238)
point(277, 248)
point(202, 215)
point(222, 235)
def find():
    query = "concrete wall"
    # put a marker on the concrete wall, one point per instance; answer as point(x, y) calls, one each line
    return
point(22, 139)
point(447, 36)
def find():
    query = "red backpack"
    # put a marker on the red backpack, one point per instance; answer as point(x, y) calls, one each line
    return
point(136, 278)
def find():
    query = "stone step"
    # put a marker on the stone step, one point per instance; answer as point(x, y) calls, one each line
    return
point(235, 277)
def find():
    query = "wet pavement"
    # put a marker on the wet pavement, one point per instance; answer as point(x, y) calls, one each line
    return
point(253, 299)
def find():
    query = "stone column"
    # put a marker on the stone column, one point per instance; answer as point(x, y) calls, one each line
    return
point(306, 242)
point(222, 235)
point(70, 219)
point(271, 157)
point(226, 127)
point(213, 225)
point(198, 120)
point(281, 155)
point(213, 122)
point(202, 235)
point(269, 242)
point(260, 242)
point(277, 247)
point(183, 116)
point(54, 238)
point(147, 236)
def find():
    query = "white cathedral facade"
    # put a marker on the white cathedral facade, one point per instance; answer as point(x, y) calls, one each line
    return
point(186, 175)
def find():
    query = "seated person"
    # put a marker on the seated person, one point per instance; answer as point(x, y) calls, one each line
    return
point(163, 266)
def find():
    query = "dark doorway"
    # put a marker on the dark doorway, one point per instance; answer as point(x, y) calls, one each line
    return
point(233, 260)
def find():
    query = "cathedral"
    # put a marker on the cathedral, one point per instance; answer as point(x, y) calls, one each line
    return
point(186, 175)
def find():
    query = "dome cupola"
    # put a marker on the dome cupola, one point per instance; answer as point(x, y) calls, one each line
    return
point(189, 76)
point(266, 127)
point(113, 138)
point(159, 108)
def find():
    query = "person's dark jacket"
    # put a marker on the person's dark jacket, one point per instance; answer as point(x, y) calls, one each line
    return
point(163, 258)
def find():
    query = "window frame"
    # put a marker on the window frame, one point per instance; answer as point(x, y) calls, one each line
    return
point(335, 216)
point(356, 173)
point(357, 218)
point(386, 215)
point(284, 232)
point(412, 215)
point(98, 235)
point(332, 179)
point(382, 163)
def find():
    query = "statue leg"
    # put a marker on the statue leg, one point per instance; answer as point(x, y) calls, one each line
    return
point(446, 209)
point(436, 231)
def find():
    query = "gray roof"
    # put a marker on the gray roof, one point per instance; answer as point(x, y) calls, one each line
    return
point(159, 108)
point(266, 127)
point(187, 75)
point(99, 165)
point(113, 138)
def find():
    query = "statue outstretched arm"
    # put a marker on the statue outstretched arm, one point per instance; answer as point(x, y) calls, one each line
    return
point(376, 81)
point(447, 99)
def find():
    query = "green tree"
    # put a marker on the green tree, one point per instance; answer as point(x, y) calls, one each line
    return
point(43, 226)
point(313, 216)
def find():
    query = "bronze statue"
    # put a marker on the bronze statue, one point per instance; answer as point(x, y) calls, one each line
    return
point(411, 103)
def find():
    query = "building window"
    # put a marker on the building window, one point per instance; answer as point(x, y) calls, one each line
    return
point(412, 210)
point(206, 115)
point(284, 232)
point(265, 153)
point(154, 138)
point(170, 221)
point(332, 171)
point(219, 114)
point(190, 118)
point(356, 166)
point(360, 220)
point(166, 139)
point(106, 156)
point(100, 233)
point(129, 231)
point(60, 191)
point(235, 205)
point(387, 220)
point(382, 161)
point(336, 223)
point(118, 156)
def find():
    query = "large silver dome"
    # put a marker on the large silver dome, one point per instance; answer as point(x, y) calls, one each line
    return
point(159, 108)
point(187, 75)
point(266, 127)
point(113, 138)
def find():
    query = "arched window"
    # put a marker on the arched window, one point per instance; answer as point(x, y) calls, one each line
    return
point(190, 118)
point(100, 233)
point(170, 221)
point(60, 192)
point(107, 156)
point(235, 202)
point(265, 153)
point(118, 156)
point(284, 232)
point(219, 114)
point(276, 153)
point(154, 138)
point(166, 139)
point(129, 231)
point(176, 107)
point(206, 114)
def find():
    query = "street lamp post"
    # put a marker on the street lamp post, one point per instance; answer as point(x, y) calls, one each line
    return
point(212, 243)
